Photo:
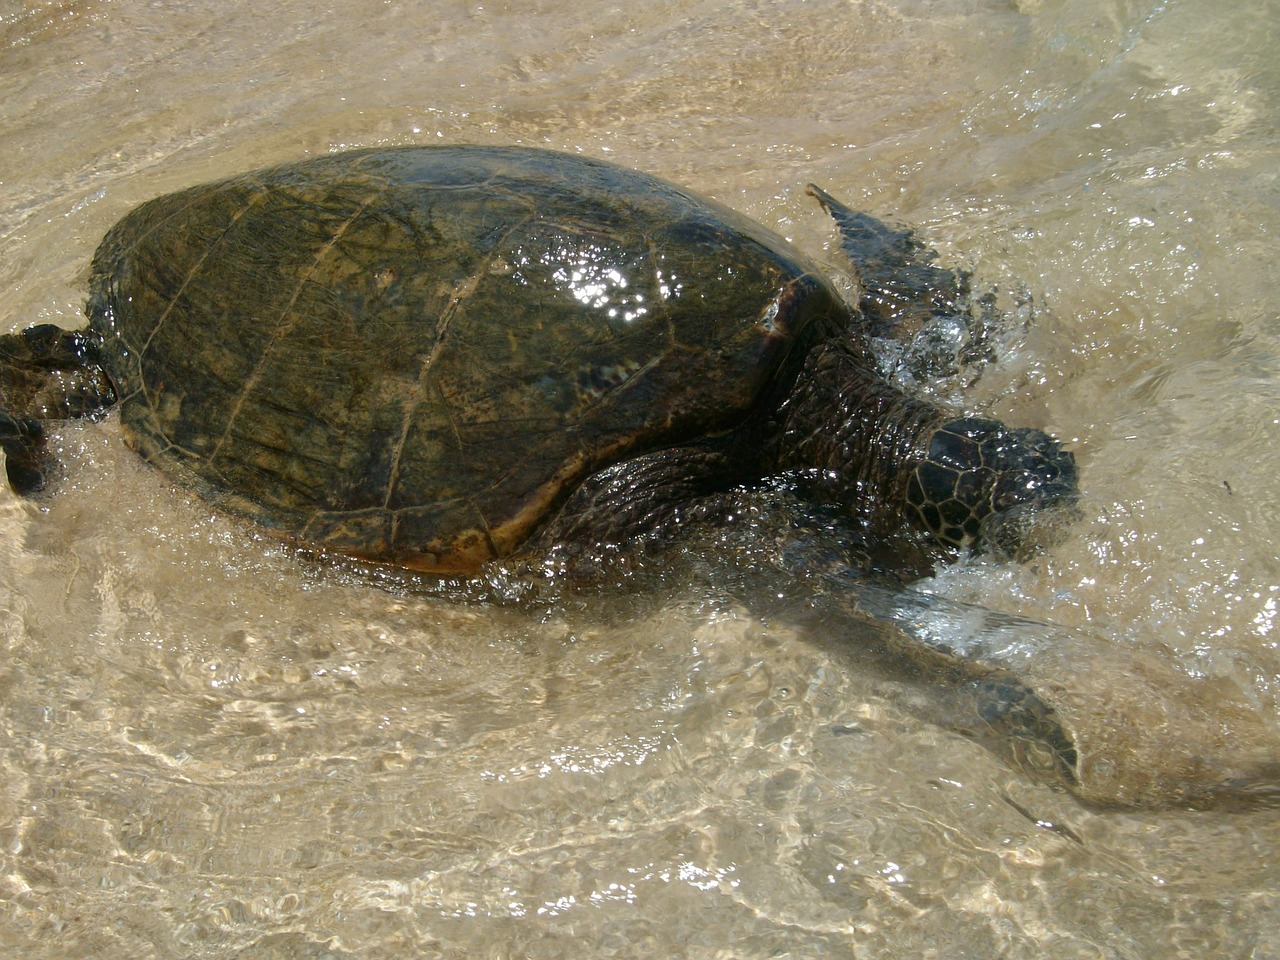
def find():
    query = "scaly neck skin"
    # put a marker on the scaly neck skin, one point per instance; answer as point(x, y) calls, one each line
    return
point(853, 434)
point(897, 461)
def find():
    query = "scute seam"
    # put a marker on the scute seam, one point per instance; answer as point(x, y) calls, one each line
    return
point(283, 325)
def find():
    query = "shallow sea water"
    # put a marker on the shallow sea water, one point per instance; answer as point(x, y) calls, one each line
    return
point(214, 748)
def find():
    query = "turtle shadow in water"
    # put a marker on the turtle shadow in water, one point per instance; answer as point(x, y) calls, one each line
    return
point(1117, 727)
point(450, 358)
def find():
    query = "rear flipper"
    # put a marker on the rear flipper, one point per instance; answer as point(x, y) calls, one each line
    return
point(25, 462)
point(46, 373)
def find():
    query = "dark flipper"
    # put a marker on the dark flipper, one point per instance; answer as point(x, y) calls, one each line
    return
point(46, 373)
point(1117, 724)
point(901, 284)
point(907, 297)
point(641, 503)
point(24, 459)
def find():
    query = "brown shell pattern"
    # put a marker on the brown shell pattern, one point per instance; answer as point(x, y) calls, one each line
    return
point(413, 355)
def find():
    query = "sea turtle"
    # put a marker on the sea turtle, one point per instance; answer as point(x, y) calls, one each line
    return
point(508, 360)
point(440, 357)
point(435, 357)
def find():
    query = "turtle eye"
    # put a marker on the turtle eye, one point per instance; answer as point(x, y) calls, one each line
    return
point(975, 468)
point(1034, 469)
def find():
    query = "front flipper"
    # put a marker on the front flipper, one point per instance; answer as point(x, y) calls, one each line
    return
point(902, 286)
point(1122, 726)
point(644, 503)
point(1114, 722)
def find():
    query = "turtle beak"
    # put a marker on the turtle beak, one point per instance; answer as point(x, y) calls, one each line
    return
point(1028, 529)
point(1036, 499)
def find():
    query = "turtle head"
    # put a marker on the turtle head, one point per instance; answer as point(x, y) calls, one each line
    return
point(999, 488)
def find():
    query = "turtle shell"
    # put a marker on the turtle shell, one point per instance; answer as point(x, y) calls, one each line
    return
point(414, 355)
